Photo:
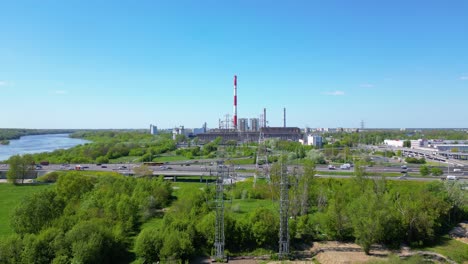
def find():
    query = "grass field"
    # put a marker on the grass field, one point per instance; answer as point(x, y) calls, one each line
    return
point(454, 249)
point(170, 158)
point(127, 159)
point(242, 207)
point(10, 197)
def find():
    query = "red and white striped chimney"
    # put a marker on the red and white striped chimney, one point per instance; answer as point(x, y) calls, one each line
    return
point(234, 120)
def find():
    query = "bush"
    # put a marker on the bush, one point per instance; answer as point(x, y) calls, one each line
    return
point(437, 171)
point(49, 177)
point(424, 170)
point(415, 160)
point(148, 244)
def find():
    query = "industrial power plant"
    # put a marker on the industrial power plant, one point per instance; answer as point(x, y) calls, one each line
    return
point(249, 129)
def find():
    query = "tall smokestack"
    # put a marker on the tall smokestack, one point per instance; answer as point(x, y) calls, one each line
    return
point(264, 117)
point(284, 117)
point(235, 103)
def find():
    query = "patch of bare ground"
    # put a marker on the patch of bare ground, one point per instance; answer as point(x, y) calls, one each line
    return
point(333, 252)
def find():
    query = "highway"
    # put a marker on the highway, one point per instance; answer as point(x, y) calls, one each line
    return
point(205, 169)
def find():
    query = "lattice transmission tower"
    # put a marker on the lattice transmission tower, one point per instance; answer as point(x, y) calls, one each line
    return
point(261, 162)
point(283, 252)
point(219, 242)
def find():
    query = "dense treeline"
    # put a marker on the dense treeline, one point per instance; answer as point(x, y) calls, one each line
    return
point(12, 133)
point(87, 219)
point(109, 145)
point(362, 210)
point(83, 219)
point(371, 211)
point(187, 230)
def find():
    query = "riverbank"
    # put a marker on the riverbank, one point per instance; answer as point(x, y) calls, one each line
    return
point(17, 133)
point(38, 143)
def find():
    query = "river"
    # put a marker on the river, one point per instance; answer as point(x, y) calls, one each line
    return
point(38, 143)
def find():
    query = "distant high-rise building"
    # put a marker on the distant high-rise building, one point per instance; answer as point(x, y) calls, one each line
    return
point(315, 140)
point(243, 124)
point(153, 130)
point(254, 124)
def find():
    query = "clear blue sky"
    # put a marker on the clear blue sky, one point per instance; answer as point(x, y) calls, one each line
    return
point(126, 64)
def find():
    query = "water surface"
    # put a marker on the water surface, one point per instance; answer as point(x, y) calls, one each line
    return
point(38, 143)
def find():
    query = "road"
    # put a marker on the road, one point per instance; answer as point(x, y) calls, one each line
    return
point(200, 169)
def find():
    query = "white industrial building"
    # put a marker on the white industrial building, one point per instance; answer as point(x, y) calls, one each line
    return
point(315, 140)
point(394, 143)
point(420, 143)
point(178, 131)
point(312, 140)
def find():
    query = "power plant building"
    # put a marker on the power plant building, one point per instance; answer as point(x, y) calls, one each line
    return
point(283, 133)
point(254, 124)
point(242, 132)
point(243, 124)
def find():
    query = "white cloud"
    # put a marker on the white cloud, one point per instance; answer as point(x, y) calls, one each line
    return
point(367, 85)
point(464, 78)
point(60, 92)
point(335, 93)
point(3, 83)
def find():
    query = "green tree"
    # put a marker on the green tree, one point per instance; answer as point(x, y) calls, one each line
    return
point(177, 245)
point(93, 242)
point(44, 247)
point(20, 168)
point(436, 171)
point(10, 249)
point(407, 144)
point(424, 170)
point(265, 227)
point(102, 159)
point(180, 138)
point(36, 212)
point(148, 244)
point(316, 156)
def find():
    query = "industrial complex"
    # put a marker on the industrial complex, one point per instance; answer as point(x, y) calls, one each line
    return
point(249, 129)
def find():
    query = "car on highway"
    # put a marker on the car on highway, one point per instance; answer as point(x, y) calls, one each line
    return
point(104, 166)
point(331, 167)
point(345, 166)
